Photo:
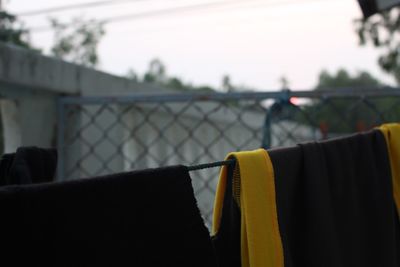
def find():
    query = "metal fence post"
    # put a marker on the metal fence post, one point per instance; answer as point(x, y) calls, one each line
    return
point(61, 121)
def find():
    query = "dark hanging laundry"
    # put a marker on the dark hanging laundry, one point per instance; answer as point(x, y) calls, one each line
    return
point(142, 218)
point(335, 203)
point(227, 241)
point(28, 165)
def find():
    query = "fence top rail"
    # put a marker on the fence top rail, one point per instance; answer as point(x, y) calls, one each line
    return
point(218, 96)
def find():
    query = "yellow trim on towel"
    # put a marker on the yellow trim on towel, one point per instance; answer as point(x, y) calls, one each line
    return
point(391, 131)
point(219, 200)
point(261, 244)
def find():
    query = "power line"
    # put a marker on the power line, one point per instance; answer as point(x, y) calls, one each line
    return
point(170, 11)
point(160, 12)
point(74, 6)
point(290, 3)
point(185, 9)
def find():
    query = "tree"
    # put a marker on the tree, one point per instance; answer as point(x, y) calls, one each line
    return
point(346, 115)
point(132, 75)
point(226, 84)
point(284, 83)
point(11, 31)
point(156, 72)
point(176, 83)
point(383, 31)
point(342, 79)
point(78, 41)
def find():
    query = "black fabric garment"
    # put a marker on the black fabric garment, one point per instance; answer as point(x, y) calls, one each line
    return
point(371, 7)
point(142, 218)
point(28, 165)
point(227, 241)
point(368, 7)
point(5, 165)
point(335, 203)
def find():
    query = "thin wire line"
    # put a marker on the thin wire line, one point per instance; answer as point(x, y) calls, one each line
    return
point(175, 10)
point(211, 165)
point(206, 6)
point(160, 12)
point(152, 31)
point(74, 6)
point(184, 9)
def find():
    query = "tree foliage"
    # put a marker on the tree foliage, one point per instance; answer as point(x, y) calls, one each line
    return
point(227, 85)
point(157, 74)
point(383, 31)
point(12, 31)
point(284, 81)
point(77, 41)
point(342, 79)
point(345, 114)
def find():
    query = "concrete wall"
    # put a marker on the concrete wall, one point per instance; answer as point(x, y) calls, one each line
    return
point(28, 121)
point(30, 85)
point(26, 70)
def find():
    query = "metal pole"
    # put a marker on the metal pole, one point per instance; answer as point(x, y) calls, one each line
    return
point(61, 120)
point(216, 96)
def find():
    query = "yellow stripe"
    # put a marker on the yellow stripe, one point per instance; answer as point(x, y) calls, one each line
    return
point(219, 200)
point(261, 243)
point(391, 131)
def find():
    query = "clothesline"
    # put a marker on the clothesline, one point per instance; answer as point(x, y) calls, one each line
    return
point(211, 165)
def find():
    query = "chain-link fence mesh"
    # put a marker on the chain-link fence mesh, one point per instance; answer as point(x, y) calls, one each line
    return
point(105, 135)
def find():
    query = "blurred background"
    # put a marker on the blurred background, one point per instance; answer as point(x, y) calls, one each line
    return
point(118, 85)
point(255, 42)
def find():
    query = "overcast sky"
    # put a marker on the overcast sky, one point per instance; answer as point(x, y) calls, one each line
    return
point(255, 42)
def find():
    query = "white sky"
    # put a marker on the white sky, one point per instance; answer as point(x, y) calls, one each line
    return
point(255, 42)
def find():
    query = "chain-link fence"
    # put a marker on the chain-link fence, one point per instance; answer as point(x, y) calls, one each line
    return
point(103, 135)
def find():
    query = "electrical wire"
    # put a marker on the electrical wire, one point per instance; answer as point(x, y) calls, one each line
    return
point(185, 9)
point(74, 6)
point(160, 12)
point(181, 10)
